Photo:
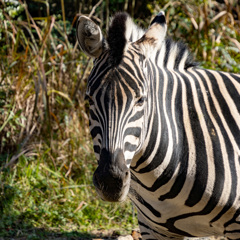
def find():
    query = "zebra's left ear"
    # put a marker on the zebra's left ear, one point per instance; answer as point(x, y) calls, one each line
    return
point(154, 36)
point(89, 37)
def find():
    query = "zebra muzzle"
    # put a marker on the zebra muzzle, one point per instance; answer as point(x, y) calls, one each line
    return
point(112, 177)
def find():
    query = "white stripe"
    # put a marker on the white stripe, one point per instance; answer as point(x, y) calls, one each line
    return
point(219, 111)
point(227, 97)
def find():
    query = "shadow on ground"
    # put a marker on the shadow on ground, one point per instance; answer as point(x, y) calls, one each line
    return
point(18, 228)
point(23, 232)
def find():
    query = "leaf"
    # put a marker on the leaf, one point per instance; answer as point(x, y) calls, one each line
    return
point(218, 16)
point(61, 94)
point(236, 42)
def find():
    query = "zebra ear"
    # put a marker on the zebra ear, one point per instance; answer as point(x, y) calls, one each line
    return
point(154, 36)
point(89, 37)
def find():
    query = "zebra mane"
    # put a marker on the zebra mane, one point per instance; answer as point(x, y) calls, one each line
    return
point(122, 30)
point(177, 52)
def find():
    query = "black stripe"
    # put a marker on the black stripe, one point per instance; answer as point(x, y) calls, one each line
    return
point(147, 227)
point(231, 88)
point(93, 116)
point(168, 50)
point(201, 176)
point(136, 116)
point(233, 193)
point(135, 71)
point(180, 154)
point(233, 220)
point(130, 147)
point(96, 149)
point(179, 56)
point(135, 131)
point(145, 204)
point(225, 108)
point(153, 130)
point(95, 131)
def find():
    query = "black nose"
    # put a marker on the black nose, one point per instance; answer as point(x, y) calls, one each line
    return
point(112, 175)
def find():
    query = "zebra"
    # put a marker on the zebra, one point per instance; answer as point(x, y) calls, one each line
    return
point(166, 132)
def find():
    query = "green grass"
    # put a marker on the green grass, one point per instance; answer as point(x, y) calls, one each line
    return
point(34, 195)
point(49, 191)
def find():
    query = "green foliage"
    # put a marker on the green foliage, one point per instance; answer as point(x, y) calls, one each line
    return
point(13, 8)
point(46, 159)
point(212, 31)
point(37, 193)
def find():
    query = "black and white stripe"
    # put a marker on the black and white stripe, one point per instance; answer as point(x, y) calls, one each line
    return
point(177, 127)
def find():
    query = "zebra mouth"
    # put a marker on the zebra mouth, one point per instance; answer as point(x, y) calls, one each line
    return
point(112, 188)
point(112, 176)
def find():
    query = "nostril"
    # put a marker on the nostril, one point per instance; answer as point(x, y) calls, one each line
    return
point(126, 176)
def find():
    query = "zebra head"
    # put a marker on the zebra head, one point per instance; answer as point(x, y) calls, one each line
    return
point(118, 93)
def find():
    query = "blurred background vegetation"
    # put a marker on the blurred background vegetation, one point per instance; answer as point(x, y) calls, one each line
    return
point(46, 156)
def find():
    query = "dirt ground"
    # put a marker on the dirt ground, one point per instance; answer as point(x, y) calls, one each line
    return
point(94, 235)
point(135, 235)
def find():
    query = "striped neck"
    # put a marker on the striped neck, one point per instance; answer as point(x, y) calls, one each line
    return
point(174, 55)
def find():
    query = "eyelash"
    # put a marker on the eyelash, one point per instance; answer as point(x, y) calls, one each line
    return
point(141, 101)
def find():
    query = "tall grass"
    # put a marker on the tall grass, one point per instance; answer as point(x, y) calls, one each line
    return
point(210, 28)
point(46, 159)
point(46, 156)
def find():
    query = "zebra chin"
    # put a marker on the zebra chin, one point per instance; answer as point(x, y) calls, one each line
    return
point(111, 195)
point(112, 177)
point(112, 188)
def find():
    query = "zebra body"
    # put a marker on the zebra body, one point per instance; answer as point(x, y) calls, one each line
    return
point(165, 132)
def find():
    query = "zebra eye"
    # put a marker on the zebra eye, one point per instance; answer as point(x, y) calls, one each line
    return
point(140, 101)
